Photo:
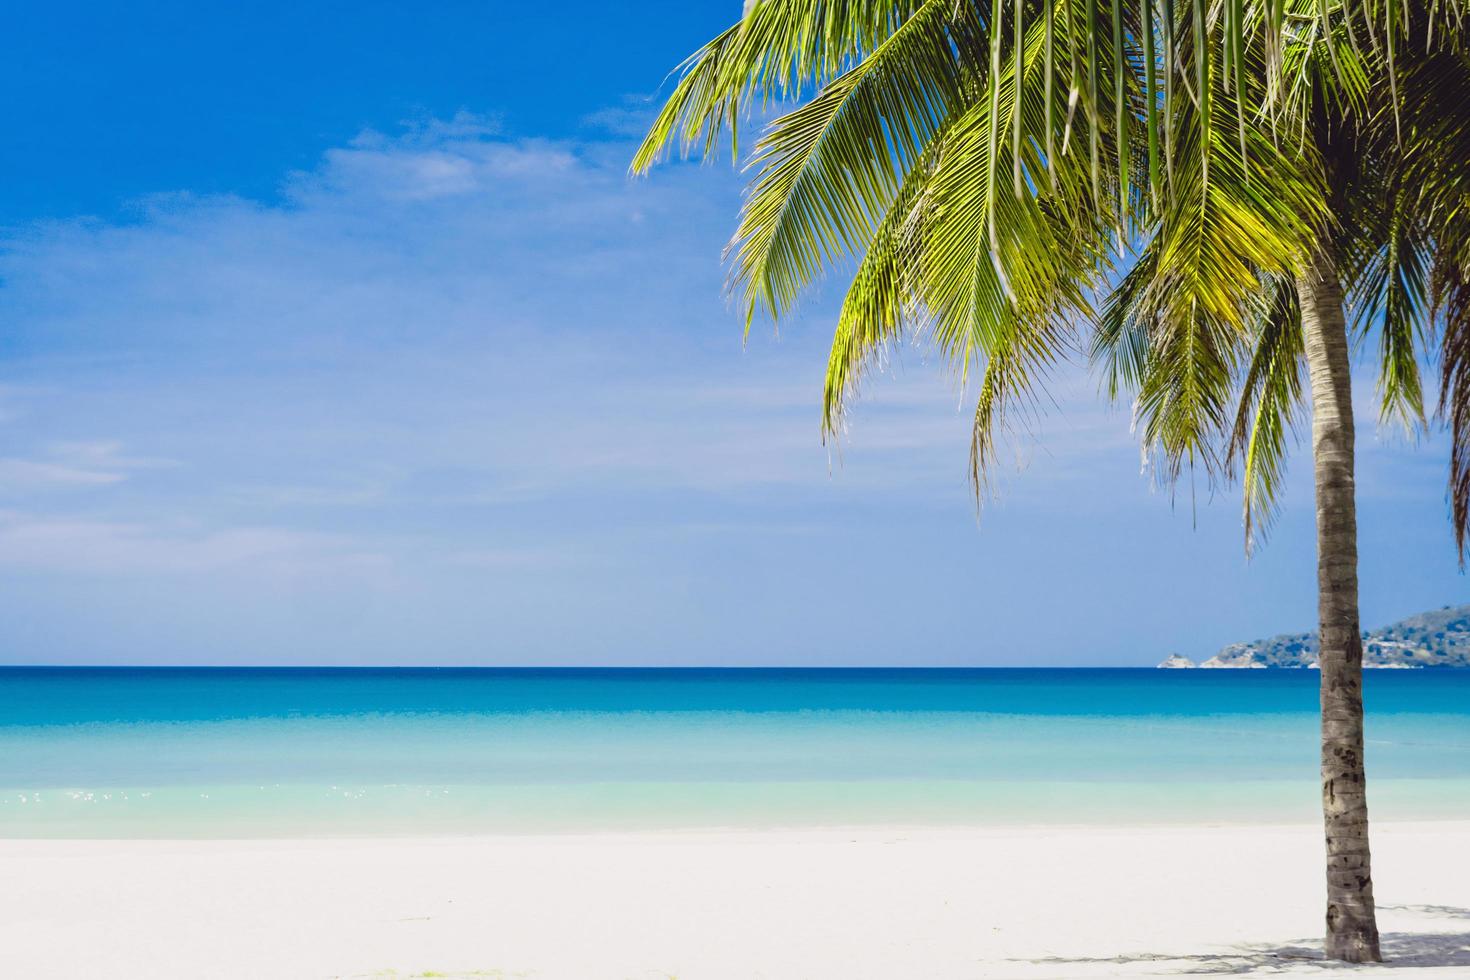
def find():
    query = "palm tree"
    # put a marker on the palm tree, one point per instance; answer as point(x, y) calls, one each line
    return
point(1217, 192)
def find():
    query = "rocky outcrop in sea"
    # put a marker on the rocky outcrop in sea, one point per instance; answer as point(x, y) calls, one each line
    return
point(1440, 638)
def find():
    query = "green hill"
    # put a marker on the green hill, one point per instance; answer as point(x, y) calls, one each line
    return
point(1439, 638)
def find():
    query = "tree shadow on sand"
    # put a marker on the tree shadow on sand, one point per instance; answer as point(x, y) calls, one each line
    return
point(1401, 950)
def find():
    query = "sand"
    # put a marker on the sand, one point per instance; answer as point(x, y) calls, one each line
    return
point(893, 904)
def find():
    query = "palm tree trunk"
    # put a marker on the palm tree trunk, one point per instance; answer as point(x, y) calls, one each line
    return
point(1352, 930)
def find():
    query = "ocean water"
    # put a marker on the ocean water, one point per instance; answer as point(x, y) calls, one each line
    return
point(346, 752)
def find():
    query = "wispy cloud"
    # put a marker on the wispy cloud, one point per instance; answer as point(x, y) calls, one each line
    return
point(73, 464)
point(46, 543)
point(495, 378)
point(30, 473)
point(501, 319)
point(630, 119)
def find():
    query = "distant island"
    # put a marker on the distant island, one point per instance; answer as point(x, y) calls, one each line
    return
point(1440, 638)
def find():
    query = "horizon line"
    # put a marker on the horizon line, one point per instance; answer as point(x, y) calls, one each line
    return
point(592, 667)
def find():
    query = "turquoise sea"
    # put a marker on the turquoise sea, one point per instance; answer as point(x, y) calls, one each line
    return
point(164, 752)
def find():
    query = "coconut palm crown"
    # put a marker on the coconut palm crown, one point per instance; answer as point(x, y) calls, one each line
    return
point(1211, 198)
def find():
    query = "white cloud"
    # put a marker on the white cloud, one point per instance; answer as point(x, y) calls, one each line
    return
point(67, 544)
point(73, 464)
point(519, 559)
point(395, 172)
point(30, 473)
point(498, 378)
point(629, 120)
point(450, 315)
point(445, 321)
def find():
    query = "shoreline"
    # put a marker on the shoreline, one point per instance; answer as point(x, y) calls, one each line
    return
point(814, 904)
point(732, 832)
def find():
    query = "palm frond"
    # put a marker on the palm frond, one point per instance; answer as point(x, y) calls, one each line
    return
point(828, 171)
point(1000, 164)
point(1270, 395)
point(1393, 294)
point(778, 51)
point(1121, 343)
point(1452, 300)
point(1011, 373)
point(881, 298)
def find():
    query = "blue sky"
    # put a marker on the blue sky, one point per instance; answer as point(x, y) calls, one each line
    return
point(337, 334)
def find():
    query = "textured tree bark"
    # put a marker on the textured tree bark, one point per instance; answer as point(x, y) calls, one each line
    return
point(1352, 929)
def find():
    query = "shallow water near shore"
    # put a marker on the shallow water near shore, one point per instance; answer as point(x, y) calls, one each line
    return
point(363, 752)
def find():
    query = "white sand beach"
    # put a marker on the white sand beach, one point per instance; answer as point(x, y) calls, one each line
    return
point(865, 903)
